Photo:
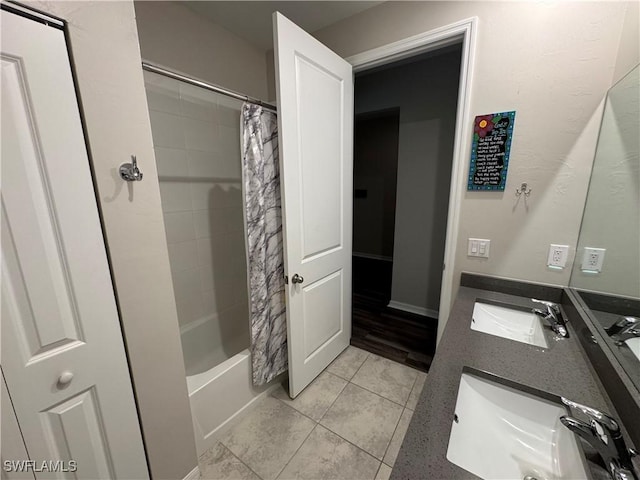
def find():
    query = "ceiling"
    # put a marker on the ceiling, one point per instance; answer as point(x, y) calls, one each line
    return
point(252, 21)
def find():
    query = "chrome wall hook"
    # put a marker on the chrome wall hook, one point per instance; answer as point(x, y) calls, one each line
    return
point(130, 171)
point(523, 189)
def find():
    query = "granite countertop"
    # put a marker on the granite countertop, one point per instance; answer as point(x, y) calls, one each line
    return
point(561, 370)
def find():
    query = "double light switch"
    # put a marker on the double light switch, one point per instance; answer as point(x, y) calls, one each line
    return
point(479, 247)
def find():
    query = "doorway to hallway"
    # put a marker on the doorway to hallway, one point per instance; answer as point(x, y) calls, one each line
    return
point(403, 153)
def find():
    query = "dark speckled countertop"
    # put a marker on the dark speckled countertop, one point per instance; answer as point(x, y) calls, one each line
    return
point(561, 370)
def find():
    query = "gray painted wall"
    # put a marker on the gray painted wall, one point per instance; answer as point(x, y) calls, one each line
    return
point(629, 50)
point(426, 93)
point(375, 168)
point(551, 62)
point(176, 37)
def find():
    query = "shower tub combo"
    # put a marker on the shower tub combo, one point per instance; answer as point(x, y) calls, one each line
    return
point(196, 136)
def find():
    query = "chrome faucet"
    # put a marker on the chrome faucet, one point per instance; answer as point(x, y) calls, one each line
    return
point(624, 329)
point(603, 434)
point(553, 315)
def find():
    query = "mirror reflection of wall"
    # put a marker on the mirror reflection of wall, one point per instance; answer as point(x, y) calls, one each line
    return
point(611, 218)
point(611, 221)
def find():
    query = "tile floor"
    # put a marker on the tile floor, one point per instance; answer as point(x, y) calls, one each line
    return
point(348, 424)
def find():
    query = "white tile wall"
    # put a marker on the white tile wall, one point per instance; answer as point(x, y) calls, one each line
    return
point(183, 255)
point(203, 193)
point(196, 135)
point(202, 166)
point(200, 135)
point(179, 227)
point(172, 163)
point(167, 129)
point(230, 145)
point(225, 220)
point(228, 112)
point(162, 92)
point(175, 195)
point(186, 284)
point(196, 103)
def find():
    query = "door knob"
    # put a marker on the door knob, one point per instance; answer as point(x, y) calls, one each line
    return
point(65, 378)
point(297, 279)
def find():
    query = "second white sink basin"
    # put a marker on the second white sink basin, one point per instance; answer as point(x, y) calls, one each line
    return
point(517, 325)
point(502, 433)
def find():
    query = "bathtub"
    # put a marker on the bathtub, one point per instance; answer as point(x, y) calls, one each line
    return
point(220, 386)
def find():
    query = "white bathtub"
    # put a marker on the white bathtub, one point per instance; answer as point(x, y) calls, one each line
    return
point(220, 390)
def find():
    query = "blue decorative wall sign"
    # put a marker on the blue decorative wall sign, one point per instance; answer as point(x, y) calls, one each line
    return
point(490, 151)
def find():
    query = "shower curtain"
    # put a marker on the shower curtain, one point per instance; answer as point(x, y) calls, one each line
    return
point(261, 184)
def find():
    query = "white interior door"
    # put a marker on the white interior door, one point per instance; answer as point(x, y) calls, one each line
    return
point(62, 349)
point(12, 446)
point(315, 120)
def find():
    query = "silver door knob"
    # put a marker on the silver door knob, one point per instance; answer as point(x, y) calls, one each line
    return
point(65, 378)
point(296, 279)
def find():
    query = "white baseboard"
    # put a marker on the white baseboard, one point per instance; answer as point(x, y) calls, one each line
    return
point(372, 256)
point(405, 307)
point(193, 474)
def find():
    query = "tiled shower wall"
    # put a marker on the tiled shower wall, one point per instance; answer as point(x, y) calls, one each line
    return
point(196, 135)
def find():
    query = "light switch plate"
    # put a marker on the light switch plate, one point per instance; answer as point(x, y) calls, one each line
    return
point(592, 259)
point(478, 247)
point(558, 256)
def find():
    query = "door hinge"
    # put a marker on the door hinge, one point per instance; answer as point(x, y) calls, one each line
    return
point(444, 266)
point(286, 280)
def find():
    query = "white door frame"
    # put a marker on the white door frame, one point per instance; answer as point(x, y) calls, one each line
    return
point(464, 31)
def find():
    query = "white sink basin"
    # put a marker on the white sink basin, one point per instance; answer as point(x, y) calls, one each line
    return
point(502, 433)
point(517, 325)
point(634, 346)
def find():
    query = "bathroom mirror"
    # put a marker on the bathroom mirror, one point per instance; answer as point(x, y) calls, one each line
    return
point(606, 270)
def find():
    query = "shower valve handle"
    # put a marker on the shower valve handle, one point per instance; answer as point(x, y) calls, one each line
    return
point(297, 279)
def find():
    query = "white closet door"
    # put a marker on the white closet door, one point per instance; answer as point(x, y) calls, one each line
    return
point(315, 116)
point(11, 441)
point(62, 349)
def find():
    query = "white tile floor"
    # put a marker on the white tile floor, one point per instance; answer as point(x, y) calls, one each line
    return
point(348, 424)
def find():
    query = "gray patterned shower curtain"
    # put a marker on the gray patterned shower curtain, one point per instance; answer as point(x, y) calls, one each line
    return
point(261, 184)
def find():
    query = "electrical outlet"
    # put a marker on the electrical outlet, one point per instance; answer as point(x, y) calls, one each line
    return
point(478, 247)
point(592, 259)
point(558, 256)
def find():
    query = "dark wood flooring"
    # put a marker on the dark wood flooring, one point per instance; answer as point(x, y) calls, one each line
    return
point(394, 334)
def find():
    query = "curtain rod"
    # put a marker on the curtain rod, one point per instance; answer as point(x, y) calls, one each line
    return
point(200, 83)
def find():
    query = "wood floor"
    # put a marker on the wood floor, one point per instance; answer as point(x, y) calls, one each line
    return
point(400, 336)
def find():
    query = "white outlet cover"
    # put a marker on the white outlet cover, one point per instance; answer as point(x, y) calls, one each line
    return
point(593, 259)
point(558, 256)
